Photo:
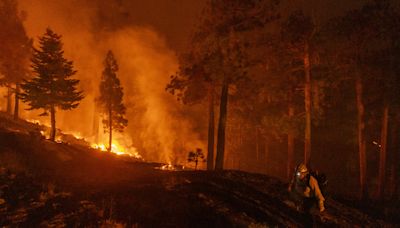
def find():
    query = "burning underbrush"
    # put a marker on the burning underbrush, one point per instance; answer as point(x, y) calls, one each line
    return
point(120, 144)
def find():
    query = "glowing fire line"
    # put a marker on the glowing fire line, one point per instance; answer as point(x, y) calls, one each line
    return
point(116, 148)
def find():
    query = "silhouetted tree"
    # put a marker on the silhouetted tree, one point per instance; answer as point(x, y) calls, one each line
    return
point(219, 49)
point(280, 99)
point(110, 99)
point(193, 84)
point(52, 87)
point(196, 157)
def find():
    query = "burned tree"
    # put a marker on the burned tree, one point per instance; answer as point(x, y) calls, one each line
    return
point(53, 86)
point(110, 98)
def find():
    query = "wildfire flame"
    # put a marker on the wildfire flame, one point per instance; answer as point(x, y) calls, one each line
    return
point(170, 167)
point(58, 139)
point(116, 147)
point(35, 121)
point(77, 135)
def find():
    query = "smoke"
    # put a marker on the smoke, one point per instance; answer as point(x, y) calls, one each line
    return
point(145, 68)
point(156, 126)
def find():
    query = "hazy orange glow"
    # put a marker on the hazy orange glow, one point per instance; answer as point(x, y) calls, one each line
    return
point(145, 65)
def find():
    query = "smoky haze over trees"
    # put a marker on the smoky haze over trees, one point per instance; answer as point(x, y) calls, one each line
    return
point(174, 20)
point(216, 60)
point(145, 58)
point(370, 40)
point(281, 84)
point(110, 98)
point(52, 87)
point(311, 90)
point(15, 49)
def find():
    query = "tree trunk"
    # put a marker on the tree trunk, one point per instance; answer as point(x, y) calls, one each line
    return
point(95, 127)
point(266, 152)
point(394, 170)
point(221, 125)
point(210, 154)
point(16, 104)
point(382, 156)
point(110, 128)
point(9, 94)
point(307, 104)
point(266, 149)
point(53, 123)
point(394, 158)
point(361, 136)
point(257, 146)
point(290, 139)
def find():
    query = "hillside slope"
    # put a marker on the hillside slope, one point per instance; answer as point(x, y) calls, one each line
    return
point(43, 183)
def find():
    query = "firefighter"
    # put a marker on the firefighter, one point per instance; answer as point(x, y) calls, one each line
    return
point(305, 191)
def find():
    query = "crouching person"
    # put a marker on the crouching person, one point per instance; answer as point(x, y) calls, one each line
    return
point(304, 190)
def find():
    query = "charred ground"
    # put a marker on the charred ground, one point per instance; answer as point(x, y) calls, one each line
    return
point(57, 184)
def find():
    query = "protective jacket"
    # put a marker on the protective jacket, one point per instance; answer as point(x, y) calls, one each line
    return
point(308, 188)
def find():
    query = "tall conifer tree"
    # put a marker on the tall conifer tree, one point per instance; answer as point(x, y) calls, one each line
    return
point(53, 86)
point(110, 99)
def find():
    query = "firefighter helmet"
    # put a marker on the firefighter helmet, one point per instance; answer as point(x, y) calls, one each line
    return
point(302, 168)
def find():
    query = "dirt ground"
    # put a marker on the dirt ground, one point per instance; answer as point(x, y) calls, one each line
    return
point(43, 183)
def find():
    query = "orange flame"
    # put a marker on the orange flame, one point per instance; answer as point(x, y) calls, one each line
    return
point(170, 167)
point(116, 147)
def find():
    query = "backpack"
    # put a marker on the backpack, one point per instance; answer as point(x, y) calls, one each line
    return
point(321, 179)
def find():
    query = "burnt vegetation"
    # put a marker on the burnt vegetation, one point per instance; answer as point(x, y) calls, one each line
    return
point(45, 183)
point(277, 84)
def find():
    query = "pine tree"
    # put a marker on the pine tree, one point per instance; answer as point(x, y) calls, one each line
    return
point(299, 30)
point(53, 86)
point(110, 98)
point(216, 61)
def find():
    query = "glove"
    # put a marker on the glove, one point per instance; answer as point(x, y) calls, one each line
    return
point(321, 206)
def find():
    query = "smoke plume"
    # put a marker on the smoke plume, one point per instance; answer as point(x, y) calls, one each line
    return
point(156, 126)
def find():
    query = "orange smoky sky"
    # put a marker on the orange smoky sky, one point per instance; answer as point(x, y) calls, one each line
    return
point(146, 60)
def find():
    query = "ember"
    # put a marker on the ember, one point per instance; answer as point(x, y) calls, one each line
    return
point(170, 167)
